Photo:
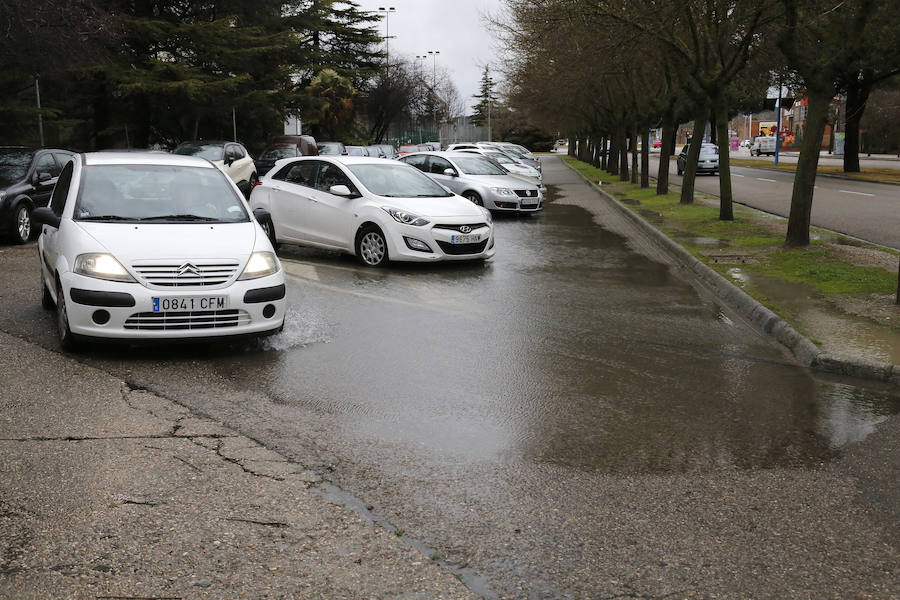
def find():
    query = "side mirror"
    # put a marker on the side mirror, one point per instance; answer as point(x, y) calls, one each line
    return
point(229, 160)
point(449, 172)
point(46, 216)
point(42, 177)
point(340, 190)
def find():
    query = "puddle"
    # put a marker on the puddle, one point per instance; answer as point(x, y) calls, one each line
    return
point(710, 241)
point(654, 218)
point(829, 328)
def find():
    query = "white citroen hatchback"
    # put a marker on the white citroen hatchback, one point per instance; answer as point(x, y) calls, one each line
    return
point(155, 246)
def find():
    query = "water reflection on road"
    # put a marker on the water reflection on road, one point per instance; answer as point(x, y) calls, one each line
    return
point(567, 348)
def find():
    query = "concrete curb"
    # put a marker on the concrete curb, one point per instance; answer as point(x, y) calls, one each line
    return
point(806, 353)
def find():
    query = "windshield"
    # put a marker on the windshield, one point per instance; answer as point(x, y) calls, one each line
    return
point(13, 166)
point(207, 151)
point(156, 193)
point(500, 158)
point(397, 181)
point(278, 153)
point(709, 149)
point(476, 165)
point(330, 148)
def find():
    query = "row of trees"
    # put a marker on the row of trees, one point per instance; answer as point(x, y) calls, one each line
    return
point(607, 71)
point(117, 73)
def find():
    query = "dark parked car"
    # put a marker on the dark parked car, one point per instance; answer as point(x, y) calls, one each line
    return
point(285, 146)
point(27, 177)
point(331, 148)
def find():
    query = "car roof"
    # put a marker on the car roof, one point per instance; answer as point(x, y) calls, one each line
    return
point(145, 158)
point(444, 153)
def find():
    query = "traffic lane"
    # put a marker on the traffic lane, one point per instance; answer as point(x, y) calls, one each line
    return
point(879, 162)
point(868, 211)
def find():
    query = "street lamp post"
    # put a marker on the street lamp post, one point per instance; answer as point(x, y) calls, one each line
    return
point(434, 54)
point(387, 34)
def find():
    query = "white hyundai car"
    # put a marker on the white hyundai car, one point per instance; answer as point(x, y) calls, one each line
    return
point(374, 209)
point(138, 246)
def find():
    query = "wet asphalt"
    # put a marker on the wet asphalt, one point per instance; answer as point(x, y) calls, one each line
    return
point(568, 420)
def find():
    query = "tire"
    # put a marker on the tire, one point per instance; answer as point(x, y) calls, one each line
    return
point(269, 228)
point(371, 247)
point(474, 198)
point(250, 184)
point(22, 224)
point(68, 340)
point(47, 302)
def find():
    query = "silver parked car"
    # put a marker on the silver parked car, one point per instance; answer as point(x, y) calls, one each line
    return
point(479, 180)
point(707, 163)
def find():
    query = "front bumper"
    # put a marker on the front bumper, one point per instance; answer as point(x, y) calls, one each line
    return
point(496, 202)
point(403, 246)
point(107, 309)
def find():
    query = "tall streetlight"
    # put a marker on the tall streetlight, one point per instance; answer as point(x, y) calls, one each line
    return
point(434, 55)
point(387, 34)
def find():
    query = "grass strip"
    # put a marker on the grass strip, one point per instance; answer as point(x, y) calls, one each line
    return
point(753, 240)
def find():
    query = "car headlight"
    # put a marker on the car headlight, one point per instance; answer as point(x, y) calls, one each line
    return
point(487, 215)
point(101, 265)
point(260, 265)
point(401, 216)
point(503, 191)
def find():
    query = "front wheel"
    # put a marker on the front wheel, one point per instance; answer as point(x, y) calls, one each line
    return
point(371, 247)
point(474, 198)
point(268, 228)
point(46, 299)
point(67, 339)
point(22, 228)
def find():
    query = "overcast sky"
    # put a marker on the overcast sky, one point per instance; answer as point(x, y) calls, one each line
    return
point(455, 28)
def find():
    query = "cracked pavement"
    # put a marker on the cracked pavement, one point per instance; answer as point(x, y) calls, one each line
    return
point(114, 492)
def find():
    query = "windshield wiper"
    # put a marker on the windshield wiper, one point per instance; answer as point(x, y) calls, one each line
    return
point(178, 218)
point(106, 218)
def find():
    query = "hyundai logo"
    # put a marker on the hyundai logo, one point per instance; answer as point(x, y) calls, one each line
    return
point(187, 269)
point(465, 229)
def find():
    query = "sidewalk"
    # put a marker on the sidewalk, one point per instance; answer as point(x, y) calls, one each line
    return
point(110, 492)
point(854, 334)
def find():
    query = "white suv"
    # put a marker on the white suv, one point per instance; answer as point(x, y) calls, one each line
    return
point(155, 246)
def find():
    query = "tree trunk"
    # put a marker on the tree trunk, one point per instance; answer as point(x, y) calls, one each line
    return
point(665, 152)
point(713, 134)
point(634, 156)
point(690, 168)
point(612, 163)
point(857, 96)
point(807, 163)
point(645, 159)
point(603, 153)
point(726, 210)
point(623, 154)
point(572, 142)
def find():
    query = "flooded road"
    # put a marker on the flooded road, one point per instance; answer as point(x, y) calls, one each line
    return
point(572, 419)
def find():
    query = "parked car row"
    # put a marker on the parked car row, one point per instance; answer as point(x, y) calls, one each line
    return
point(158, 246)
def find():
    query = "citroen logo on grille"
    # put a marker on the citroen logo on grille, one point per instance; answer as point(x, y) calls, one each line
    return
point(465, 229)
point(187, 269)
